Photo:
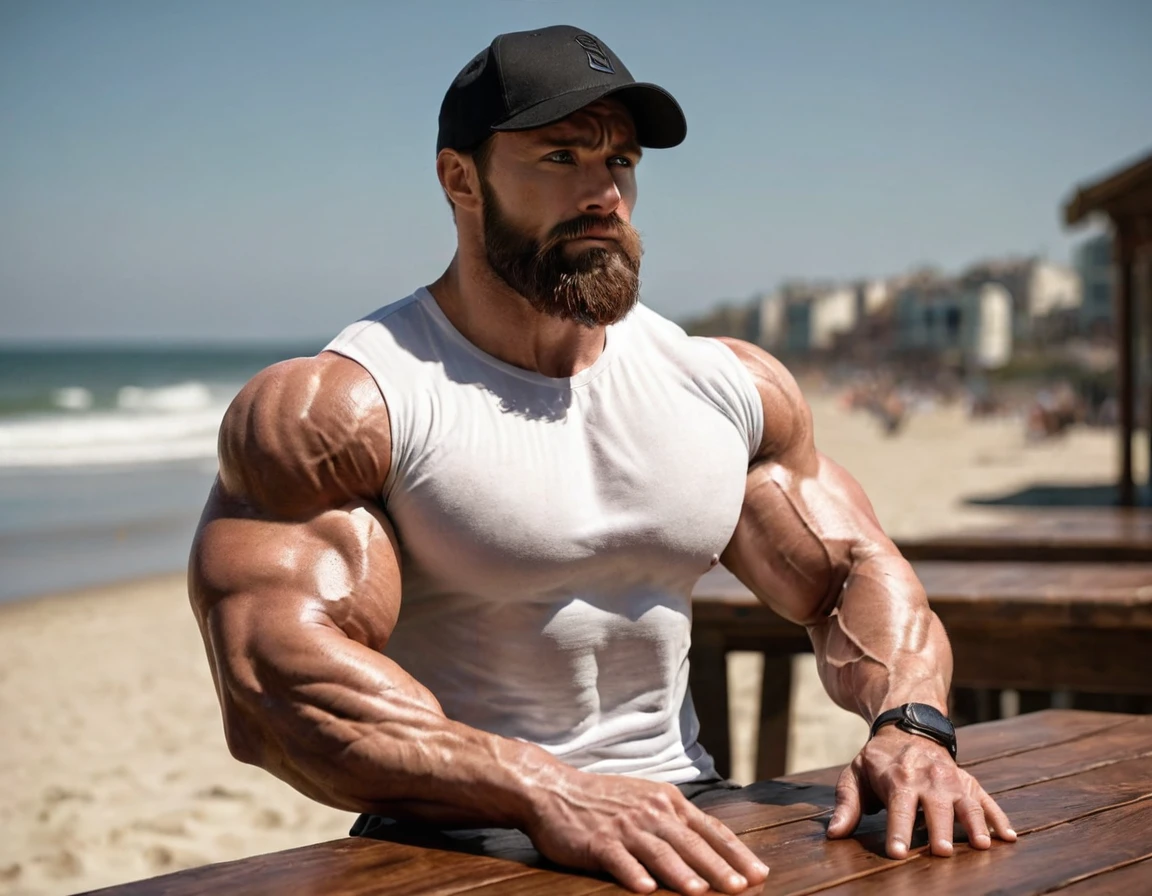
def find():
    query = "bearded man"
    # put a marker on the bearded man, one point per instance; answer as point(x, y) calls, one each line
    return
point(444, 575)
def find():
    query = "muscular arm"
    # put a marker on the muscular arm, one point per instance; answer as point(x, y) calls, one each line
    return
point(295, 582)
point(808, 544)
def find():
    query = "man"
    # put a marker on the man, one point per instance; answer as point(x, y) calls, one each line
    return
point(444, 575)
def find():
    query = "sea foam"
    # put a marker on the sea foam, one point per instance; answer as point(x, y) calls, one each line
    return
point(169, 423)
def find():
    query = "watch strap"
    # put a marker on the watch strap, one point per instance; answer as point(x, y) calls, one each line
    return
point(902, 719)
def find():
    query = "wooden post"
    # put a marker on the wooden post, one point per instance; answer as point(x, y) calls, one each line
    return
point(1146, 283)
point(1125, 335)
point(775, 710)
point(708, 680)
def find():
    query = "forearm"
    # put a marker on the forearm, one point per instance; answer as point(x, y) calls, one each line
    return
point(351, 729)
point(881, 645)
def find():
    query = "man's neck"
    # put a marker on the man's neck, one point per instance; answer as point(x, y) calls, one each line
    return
point(502, 323)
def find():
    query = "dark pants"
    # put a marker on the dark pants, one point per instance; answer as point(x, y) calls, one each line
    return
point(508, 843)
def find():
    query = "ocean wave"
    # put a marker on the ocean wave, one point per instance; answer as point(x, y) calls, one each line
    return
point(73, 398)
point(189, 396)
point(112, 437)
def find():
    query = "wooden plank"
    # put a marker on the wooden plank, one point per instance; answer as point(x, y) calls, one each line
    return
point(351, 867)
point(1049, 739)
point(1080, 659)
point(978, 595)
point(1006, 737)
point(1133, 878)
point(1036, 863)
point(545, 883)
point(1041, 805)
point(782, 813)
point(803, 860)
point(1051, 535)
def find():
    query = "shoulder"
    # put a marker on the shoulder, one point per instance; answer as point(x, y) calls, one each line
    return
point(787, 416)
point(306, 435)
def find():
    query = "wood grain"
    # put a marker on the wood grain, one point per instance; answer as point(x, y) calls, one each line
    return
point(1083, 535)
point(1132, 879)
point(1077, 785)
point(1035, 864)
point(350, 867)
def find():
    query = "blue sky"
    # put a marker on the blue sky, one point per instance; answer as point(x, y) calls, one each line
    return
point(264, 170)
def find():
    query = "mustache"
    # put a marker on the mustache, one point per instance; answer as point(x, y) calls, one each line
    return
point(619, 229)
point(577, 227)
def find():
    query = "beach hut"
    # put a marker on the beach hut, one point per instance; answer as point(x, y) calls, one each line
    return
point(1125, 197)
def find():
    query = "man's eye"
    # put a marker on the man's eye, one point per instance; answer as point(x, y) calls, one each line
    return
point(561, 155)
point(622, 161)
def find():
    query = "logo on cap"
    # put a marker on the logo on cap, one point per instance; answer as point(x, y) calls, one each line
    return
point(597, 58)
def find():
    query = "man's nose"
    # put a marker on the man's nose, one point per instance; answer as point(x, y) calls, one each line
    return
point(600, 194)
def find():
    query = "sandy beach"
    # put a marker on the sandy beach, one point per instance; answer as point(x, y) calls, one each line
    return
point(112, 760)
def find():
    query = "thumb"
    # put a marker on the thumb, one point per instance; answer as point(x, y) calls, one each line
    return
point(846, 815)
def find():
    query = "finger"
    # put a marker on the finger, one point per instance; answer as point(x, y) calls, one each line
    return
point(623, 866)
point(728, 846)
point(846, 815)
point(939, 817)
point(902, 805)
point(997, 820)
point(971, 815)
point(699, 855)
point(666, 865)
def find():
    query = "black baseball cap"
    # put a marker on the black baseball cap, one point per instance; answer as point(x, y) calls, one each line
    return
point(527, 79)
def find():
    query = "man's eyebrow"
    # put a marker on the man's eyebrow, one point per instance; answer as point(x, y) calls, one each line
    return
point(584, 142)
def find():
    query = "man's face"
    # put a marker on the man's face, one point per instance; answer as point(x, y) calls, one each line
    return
point(557, 207)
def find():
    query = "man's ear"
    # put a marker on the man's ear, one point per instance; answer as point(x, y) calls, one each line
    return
point(459, 178)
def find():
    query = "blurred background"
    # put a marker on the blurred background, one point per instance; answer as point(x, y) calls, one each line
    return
point(885, 195)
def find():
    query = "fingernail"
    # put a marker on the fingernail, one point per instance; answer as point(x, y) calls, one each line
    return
point(1011, 833)
point(899, 845)
point(761, 868)
point(737, 881)
point(646, 883)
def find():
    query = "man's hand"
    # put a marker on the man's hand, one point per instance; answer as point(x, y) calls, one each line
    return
point(903, 772)
point(640, 832)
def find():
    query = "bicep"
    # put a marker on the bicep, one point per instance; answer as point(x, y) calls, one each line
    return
point(800, 533)
point(277, 601)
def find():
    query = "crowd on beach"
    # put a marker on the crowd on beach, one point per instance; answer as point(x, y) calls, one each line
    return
point(1046, 410)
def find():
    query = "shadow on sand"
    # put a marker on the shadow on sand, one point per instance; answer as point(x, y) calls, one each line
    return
point(1054, 495)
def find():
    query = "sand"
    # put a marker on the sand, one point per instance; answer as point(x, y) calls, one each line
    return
point(112, 760)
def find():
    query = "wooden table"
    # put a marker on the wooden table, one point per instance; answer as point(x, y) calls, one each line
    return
point(1049, 535)
point(1033, 626)
point(1076, 785)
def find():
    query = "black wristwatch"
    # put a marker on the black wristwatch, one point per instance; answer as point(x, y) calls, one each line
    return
point(922, 719)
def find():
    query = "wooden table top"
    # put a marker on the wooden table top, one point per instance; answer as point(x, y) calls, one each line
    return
point(1076, 785)
point(971, 595)
point(1057, 535)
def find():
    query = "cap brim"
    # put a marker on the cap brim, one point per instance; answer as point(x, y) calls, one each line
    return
point(660, 121)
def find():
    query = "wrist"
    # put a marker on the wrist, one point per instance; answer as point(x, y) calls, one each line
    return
point(540, 778)
point(921, 720)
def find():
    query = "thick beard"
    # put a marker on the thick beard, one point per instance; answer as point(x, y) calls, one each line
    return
point(596, 288)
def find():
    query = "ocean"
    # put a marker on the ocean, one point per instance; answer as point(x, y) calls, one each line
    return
point(107, 454)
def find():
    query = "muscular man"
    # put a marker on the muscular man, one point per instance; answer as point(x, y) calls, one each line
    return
point(444, 575)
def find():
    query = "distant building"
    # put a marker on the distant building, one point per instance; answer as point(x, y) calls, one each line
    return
point(957, 322)
point(802, 318)
point(1094, 265)
point(1045, 296)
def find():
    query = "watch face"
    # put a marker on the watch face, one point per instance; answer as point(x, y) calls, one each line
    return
point(928, 717)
